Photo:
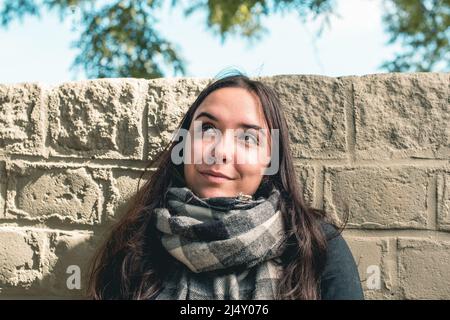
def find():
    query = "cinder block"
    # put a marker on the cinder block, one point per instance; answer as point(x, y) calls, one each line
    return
point(97, 118)
point(314, 107)
point(379, 197)
point(424, 268)
point(124, 188)
point(20, 258)
point(371, 254)
point(402, 115)
point(50, 192)
point(67, 263)
point(22, 113)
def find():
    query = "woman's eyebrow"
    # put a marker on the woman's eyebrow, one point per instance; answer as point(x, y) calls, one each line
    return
point(206, 114)
point(244, 125)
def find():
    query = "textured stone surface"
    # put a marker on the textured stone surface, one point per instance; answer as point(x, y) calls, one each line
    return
point(21, 118)
point(20, 258)
point(35, 262)
point(97, 118)
point(168, 101)
point(314, 110)
point(66, 249)
point(2, 188)
point(443, 187)
point(306, 178)
point(369, 252)
point(44, 192)
point(378, 197)
point(424, 268)
point(402, 115)
point(125, 187)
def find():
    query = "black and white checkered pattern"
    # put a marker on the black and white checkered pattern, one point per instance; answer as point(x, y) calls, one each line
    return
point(225, 247)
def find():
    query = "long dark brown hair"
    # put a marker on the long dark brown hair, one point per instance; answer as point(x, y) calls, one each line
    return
point(132, 264)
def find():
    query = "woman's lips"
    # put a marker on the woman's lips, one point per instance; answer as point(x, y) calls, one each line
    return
point(214, 179)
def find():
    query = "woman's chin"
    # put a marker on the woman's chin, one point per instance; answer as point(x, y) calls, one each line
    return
point(213, 192)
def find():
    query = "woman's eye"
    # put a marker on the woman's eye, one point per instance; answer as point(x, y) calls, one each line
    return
point(208, 130)
point(253, 138)
point(206, 127)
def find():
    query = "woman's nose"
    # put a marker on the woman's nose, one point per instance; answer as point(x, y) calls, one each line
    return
point(223, 148)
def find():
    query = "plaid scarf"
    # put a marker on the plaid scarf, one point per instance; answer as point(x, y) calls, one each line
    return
point(225, 247)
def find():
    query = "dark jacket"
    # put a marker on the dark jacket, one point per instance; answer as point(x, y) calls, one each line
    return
point(340, 279)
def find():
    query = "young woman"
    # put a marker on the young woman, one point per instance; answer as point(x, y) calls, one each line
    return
point(219, 227)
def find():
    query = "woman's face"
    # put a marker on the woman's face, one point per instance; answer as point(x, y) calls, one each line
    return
point(224, 131)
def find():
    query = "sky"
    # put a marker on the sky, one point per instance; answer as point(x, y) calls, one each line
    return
point(39, 50)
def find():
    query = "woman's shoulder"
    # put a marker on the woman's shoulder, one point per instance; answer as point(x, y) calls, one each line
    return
point(329, 229)
point(340, 278)
point(337, 247)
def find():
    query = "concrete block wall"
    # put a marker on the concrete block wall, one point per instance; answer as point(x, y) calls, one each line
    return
point(71, 156)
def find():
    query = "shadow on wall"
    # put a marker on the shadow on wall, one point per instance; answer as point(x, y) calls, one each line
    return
point(48, 265)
